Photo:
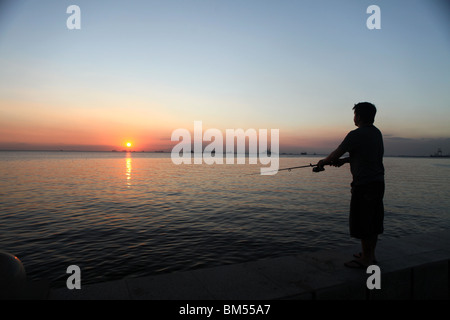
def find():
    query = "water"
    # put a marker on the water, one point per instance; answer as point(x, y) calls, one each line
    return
point(119, 215)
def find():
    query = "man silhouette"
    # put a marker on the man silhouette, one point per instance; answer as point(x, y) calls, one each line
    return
point(365, 148)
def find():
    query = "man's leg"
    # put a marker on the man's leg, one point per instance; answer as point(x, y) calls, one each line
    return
point(368, 250)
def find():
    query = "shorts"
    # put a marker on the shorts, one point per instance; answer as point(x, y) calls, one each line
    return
point(367, 210)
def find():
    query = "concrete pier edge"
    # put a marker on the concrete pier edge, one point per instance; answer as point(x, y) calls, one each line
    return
point(412, 268)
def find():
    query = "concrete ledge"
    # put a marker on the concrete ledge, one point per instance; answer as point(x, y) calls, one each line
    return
point(415, 267)
point(430, 281)
point(28, 290)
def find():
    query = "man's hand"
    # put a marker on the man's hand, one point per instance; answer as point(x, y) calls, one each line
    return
point(332, 157)
point(336, 163)
point(321, 163)
point(339, 162)
point(319, 166)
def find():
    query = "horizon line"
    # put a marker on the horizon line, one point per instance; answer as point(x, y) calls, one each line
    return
point(168, 152)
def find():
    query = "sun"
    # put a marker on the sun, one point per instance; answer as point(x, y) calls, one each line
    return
point(128, 144)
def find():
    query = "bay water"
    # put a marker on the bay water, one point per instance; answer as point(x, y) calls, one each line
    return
point(132, 214)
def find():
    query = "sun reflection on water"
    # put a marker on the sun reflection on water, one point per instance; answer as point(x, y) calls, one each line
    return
point(128, 169)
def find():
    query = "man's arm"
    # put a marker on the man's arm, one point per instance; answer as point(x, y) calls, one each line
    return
point(334, 158)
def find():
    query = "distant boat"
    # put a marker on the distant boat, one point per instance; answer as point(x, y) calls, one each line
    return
point(439, 154)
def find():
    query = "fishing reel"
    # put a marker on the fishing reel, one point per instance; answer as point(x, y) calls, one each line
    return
point(318, 169)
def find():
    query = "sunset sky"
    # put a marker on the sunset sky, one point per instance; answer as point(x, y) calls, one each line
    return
point(138, 70)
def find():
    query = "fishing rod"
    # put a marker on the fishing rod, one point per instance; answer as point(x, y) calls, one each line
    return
point(314, 166)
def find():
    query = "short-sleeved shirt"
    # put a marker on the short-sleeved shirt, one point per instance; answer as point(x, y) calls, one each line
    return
point(366, 150)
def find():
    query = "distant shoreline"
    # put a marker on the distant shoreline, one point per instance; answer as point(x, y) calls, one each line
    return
point(282, 154)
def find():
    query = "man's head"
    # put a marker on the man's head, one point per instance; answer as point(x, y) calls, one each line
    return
point(364, 113)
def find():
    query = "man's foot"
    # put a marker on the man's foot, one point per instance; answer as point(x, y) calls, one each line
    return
point(359, 256)
point(355, 264)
